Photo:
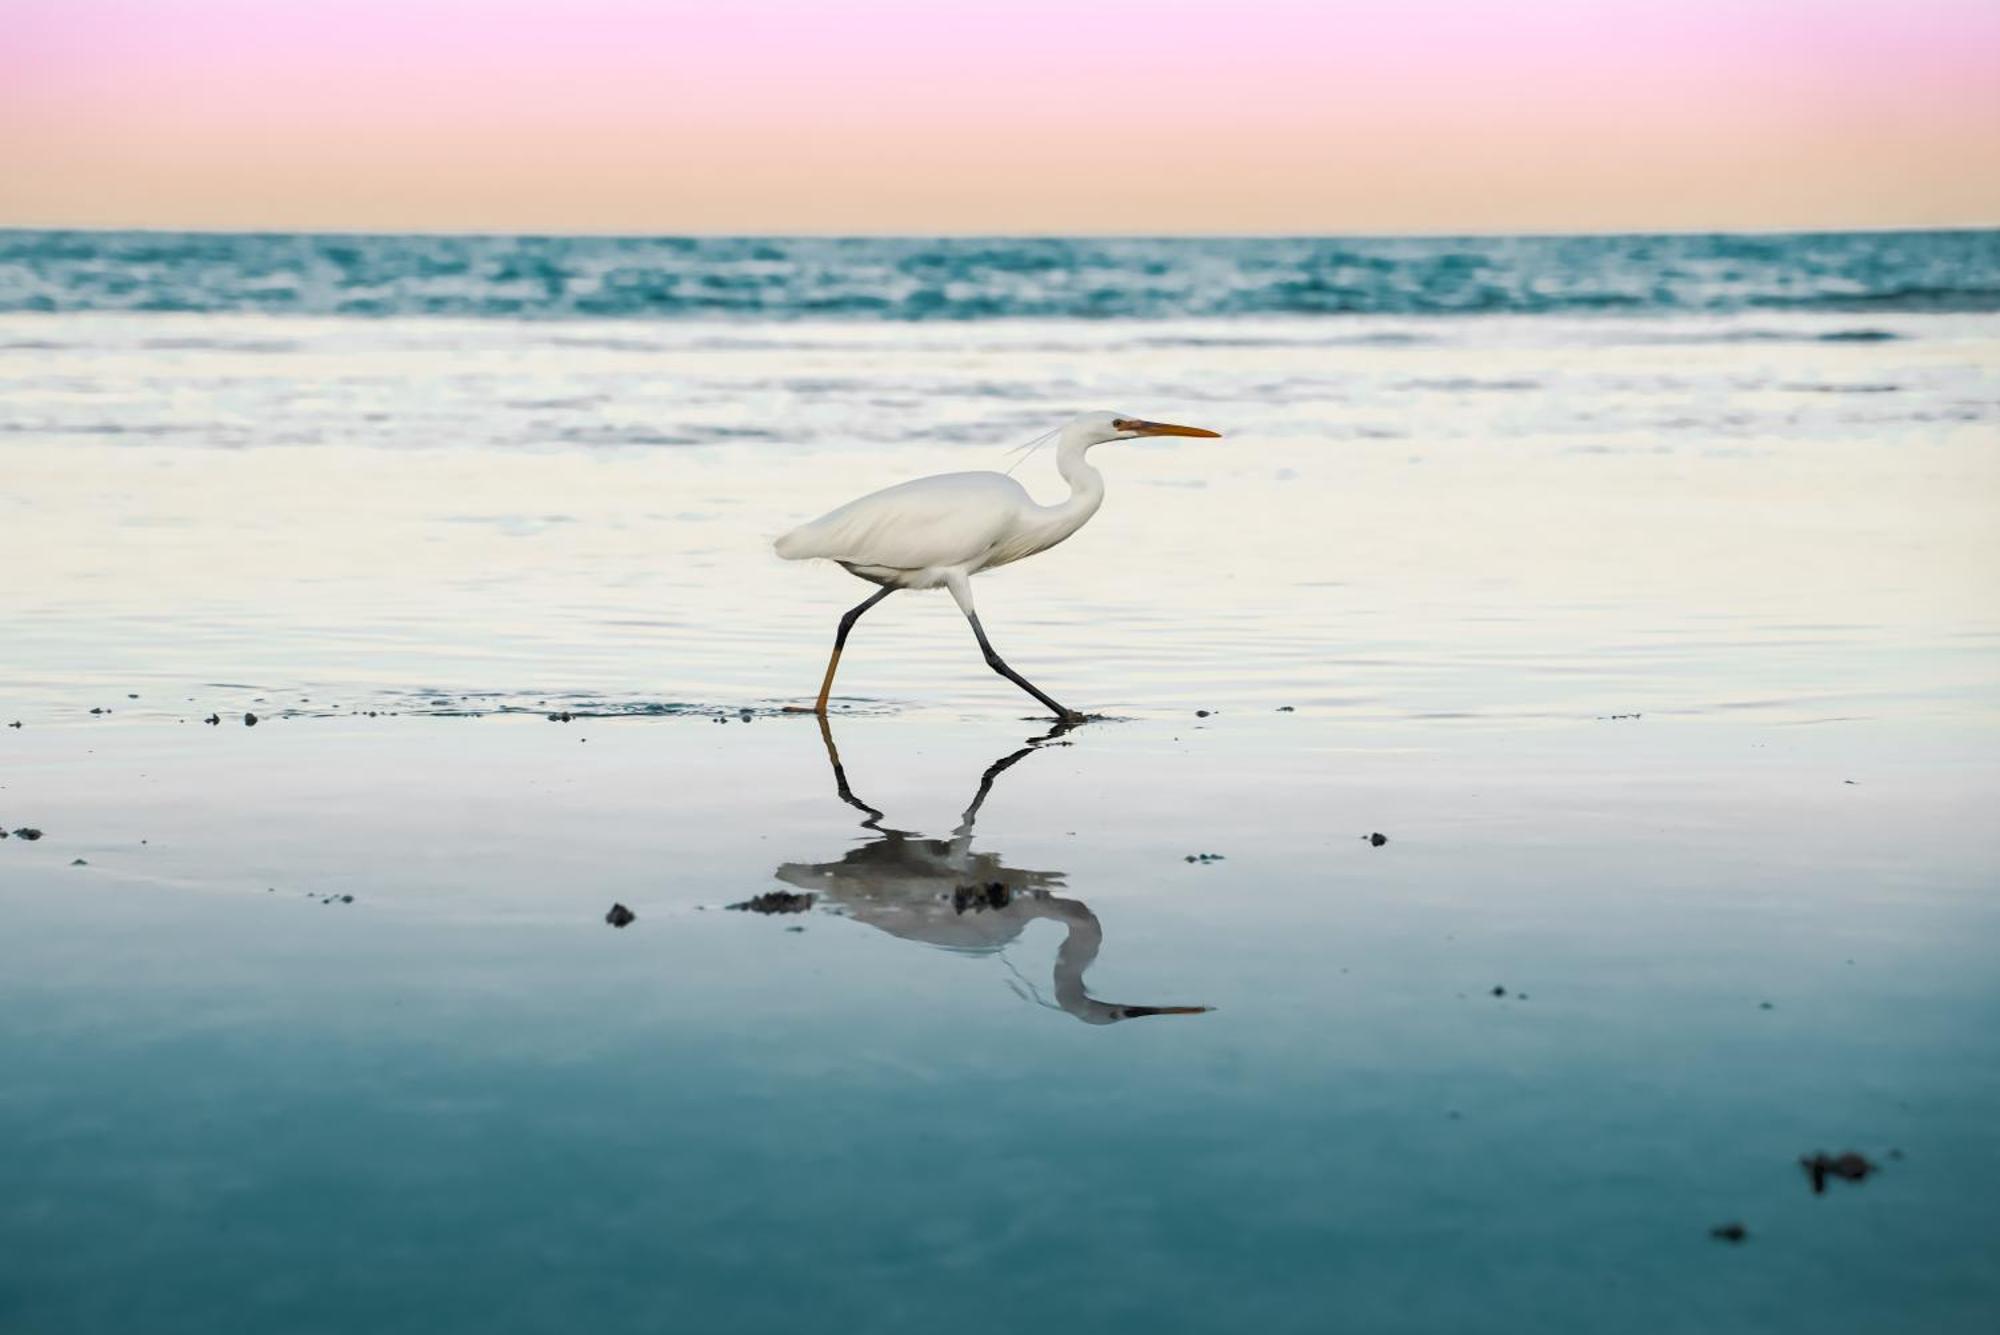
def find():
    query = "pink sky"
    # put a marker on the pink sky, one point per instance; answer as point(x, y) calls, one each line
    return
point(893, 116)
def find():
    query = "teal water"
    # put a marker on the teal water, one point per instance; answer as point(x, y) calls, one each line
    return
point(1150, 278)
point(1662, 644)
point(464, 1102)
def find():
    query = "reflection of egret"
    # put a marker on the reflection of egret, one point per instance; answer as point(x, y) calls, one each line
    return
point(938, 532)
point(942, 893)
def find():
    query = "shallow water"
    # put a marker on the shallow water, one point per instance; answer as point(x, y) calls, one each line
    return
point(1663, 651)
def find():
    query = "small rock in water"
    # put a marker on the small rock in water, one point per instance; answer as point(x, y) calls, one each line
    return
point(1378, 839)
point(795, 928)
point(1499, 991)
point(776, 901)
point(1201, 713)
point(1729, 1232)
point(1765, 1006)
point(561, 716)
point(78, 862)
point(15, 724)
point(620, 916)
point(1285, 709)
point(249, 720)
point(212, 720)
point(28, 832)
point(1848, 1167)
point(100, 711)
point(1203, 857)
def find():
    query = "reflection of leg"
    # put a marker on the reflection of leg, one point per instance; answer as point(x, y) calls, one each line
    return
point(840, 776)
point(840, 642)
point(961, 589)
point(1001, 766)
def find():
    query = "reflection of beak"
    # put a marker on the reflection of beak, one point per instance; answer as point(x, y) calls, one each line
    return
point(1134, 1012)
point(1169, 429)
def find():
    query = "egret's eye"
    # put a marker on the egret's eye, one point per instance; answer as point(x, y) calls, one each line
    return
point(1124, 424)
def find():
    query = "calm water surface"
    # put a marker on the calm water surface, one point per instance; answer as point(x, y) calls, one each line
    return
point(1663, 651)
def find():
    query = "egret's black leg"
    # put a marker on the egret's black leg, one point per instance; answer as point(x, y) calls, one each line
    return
point(999, 665)
point(840, 642)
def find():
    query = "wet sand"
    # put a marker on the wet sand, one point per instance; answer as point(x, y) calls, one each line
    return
point(1680, 741)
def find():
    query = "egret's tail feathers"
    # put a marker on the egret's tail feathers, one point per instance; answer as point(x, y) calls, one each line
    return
point(796, 545)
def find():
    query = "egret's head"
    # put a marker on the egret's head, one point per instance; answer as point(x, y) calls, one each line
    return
point(1097, 428)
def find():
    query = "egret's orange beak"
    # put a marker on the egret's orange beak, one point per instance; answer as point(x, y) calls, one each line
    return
point(1163, 429)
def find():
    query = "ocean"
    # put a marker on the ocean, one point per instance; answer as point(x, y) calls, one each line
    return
point(381, 611)
point(792, 278)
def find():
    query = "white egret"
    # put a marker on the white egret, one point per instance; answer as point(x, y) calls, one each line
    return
point(942, 530)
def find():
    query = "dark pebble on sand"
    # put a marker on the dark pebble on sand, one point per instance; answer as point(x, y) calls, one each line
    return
point(28, 832)
point(1848, 1167)
point(249, 720)
point(776, 901)
point(620, 916)
point(1729, 1232)
point(1378, 839)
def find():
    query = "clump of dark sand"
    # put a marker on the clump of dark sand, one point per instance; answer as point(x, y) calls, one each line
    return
point(776, 901)
point(620, 916)
point(1848, 1167)
point(979, 898)
point(249, 720)
point(1203, 857)
point(28, 832)
point(1378, 839)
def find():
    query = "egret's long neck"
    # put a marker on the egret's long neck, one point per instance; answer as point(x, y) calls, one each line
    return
point(1086, 488)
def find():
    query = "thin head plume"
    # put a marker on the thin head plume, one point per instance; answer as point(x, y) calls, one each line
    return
point(1027, 450)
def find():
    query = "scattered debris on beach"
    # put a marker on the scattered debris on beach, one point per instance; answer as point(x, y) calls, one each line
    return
point(776, 901)
point(1203, 857)
point(1376, 839)
point(620, 916)
point(28, 832)
point(979, 898)
point(1731, 1232)
point(1848, 1167)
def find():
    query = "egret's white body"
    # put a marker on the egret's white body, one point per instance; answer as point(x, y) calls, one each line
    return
point(938, 532)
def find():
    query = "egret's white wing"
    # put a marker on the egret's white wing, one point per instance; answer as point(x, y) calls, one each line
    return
point(946, 520)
